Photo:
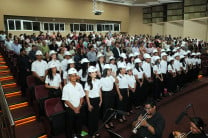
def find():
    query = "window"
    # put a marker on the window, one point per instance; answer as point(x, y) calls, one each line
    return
point(45, 25)
point(72, 27)
point(27, 25)
point(83, 27)
point(116, 27)
point(11, 25)
point(18, 25)
point(56, 27)
point(99, 27)
point(36, 26)
point(62, 27)
point(51, 26)
point(90, 27)
point(76, 27)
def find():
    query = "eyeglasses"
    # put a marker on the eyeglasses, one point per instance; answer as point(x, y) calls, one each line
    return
point(148, 108)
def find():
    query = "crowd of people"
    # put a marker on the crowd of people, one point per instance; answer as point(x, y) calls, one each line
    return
point(110, 71)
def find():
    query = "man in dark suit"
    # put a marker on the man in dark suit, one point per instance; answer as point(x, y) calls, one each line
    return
point(116, 50)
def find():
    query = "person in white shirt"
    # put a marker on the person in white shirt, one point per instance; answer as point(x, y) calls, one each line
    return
point(198, 63)
point(108, 94)
point(73, 97)
point(94, 100)
point(178, 67)
point(65, 74)
point(131, 60)
point(164, 69)
point(184, 71)
point(132, 89)
point(100, 64)
point(122, 59)
point(122, 90)
point(64, 63)
point(39, 68)
point(113, 64)
point(83, 72)
point(158, 79)
point(171, 76)
point(53, 81)
point(138, 72)
point(54, 60)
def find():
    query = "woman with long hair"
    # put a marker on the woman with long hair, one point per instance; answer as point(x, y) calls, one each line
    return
point(171, 76)
point(53, 81)
point(94, 100)
point(65, 73)
point(131, 61)
point(53, 59)
point(113, 64)
point(100, 64)
point(83, 72)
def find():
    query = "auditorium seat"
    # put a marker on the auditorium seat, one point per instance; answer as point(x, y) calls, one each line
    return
point(41, 94)
point(30, 88)
point(54, 121)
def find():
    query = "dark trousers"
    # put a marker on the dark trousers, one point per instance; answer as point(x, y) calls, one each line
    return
point(107, 103)
point(148, 88)
point(141, 95)
point(158, 88)
point(131, 100)
point(73, 123)
point(122, 105)
point(53, 93)
point(93, 116)
point(171, 83)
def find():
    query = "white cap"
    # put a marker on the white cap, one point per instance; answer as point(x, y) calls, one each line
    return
point(168, 50)
point(155, 51)
point(193, 54)
point(182, 56)
point(198, 53)
point(52, 52)
point(176, 55)
point(51, 65)
point(111, 57)
point(70, 61)
point(121, 65)
point(137, 60)
point(84, 60)
point(100, 55)
point(163, 54)
point(38, 53)
point(162, 50)
point(147, 56)
point(123, 55)
point(131, 55)
point(136, 54)
point(128, 68)
point(67, 53)
point(174, 50)
point(170, 59)
point(107, 66)
point(92, 69)
point(72, 71)
point(156, 58)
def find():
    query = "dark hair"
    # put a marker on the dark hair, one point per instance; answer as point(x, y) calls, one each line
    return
point(22, 49)
point(118, 71)
point(105, 72)
point(89, 81)
point(198, 122)
point(101, 70)
point(138, 67)
point(84, 69)
point(150, 101)
point(50, 74)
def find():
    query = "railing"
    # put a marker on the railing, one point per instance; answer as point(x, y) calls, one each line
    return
point(7, 125)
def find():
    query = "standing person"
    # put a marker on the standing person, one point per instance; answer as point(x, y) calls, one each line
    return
point(122, 90)
point(164, 69)
point(54, 60)
point(178, 67)
point(138, 72)
point(113, 64)
point(94, 100)
point(153, 126)
point(100, 64)
point(132, 89)
point(64, 62)
point(65, 73)
point(108, 94)
point(171, 76)
point(116, 50)
point(91, 55)
point(131, 61)
point(39, 68)
point(53, 81)
point(108, 54)
point(73, 97)
point(83, 72)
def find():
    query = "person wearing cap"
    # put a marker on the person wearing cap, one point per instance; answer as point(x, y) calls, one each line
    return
point(138, 72)
point(113, 64)
point(91, 55)
point(107, 81)
point(53, 81)
point(100, 64)
point(64, 62)
point(131, 60)
point(108, 54)
point(154, 54)
point(184, 71)
point(148, 81)
point(132, 89)
point(164, 69)
point(171, 76)
point(73, 97)
point(55, 61)
point(83, 72)
point(65, 74)
point(122, 59)
point(122, 90)
point(39, 68)
point(94, 100)
point(188, 61)
point(198, 63)
point(178, 68)
point(158, 79)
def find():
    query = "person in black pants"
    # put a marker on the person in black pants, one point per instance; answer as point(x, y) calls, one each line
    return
point(94, 101)
point(73, 97)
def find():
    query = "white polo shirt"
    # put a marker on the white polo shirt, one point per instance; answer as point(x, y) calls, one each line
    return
point(138, 73)
point(157, 69)
point(95, 91)
point(64, 64)
point(163, 66)
point(81, 77)
point(132, 65)
point(39, 67)
point(131, 80)
point(55, 82)
point(65, 76)
point(171, 68)
point(123, 81)
point(177, 65)
point(107, 83)
point(73, 94)
point(114, 68)
point(57, 63)
point(147, 69)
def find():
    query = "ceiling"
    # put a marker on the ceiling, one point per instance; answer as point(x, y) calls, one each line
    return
point(139, 2)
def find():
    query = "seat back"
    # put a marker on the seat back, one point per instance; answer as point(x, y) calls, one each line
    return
point(30, 81)
point(41, 92)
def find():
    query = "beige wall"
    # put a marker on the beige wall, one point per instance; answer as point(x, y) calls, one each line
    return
point(175, 29)
point(136, 25)
point(76, 9)
point(158, 28)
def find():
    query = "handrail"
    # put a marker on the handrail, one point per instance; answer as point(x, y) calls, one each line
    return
point(7, 122)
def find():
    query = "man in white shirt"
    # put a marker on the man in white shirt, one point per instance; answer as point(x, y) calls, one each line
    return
point(39, 68)
point(64, 63)
point(73, 97)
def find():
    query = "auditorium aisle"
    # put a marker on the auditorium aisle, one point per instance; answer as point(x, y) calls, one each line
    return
point(26, 124)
